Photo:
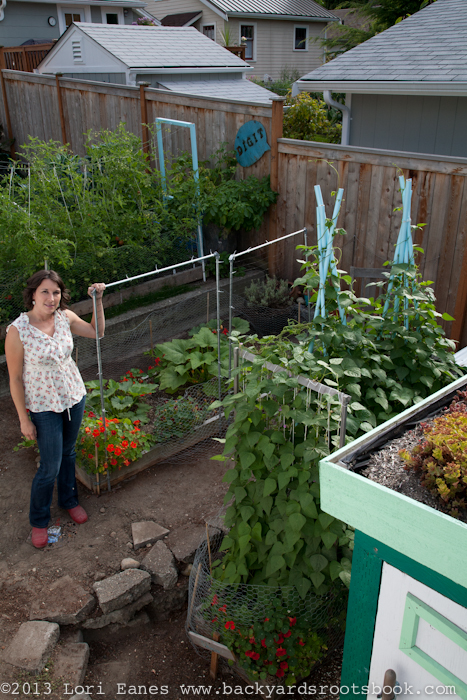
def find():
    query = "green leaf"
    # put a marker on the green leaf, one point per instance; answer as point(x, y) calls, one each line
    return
point(317, 579)
point(230, 475)
point(269, 486)
point(283, 479)
point(335, 569)
point(307, 503)
point(275, 563)
point(303, 585)
point(246, 512)
point(246, 459)
point(329, 539)
point(296, 521)
point(345, 578)
point(325, 520)
point(240, 494)
point(318, 562)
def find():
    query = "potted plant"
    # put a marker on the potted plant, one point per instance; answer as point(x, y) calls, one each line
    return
point(268, 305)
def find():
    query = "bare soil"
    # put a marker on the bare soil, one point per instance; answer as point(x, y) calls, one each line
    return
point(155, 659)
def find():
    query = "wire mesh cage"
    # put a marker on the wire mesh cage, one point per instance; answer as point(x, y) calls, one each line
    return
point(268, 629)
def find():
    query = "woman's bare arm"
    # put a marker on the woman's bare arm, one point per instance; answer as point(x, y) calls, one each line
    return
point(14, 353)
point(83, 328)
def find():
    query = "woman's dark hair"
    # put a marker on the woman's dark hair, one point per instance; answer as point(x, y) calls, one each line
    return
point(36, 280)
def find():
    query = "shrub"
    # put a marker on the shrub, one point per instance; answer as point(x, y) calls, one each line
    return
point(309, 119)
point(269, 292)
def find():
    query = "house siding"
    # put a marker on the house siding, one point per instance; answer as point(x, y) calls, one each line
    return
point(274, 46)
point(27, 20)
point(115, 78)
point(416, 123)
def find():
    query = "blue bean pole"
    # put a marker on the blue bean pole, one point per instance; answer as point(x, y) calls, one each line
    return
point(403, 254)
point(99, 371)
point(326, 259)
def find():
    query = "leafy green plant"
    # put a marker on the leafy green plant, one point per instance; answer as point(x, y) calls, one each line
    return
point(441, 460)
point(283, 84)
point(269, 292)
point(122, 443)
point(121, 399)
point(308, 118)
point(182, 362)
point(224, 267)
point(177, 417)
point(240, 204)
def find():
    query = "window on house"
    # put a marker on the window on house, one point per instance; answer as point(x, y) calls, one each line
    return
point(71, 17)
point(300, 40)
point(209, 31)
point(111, 18)
point(247, 34)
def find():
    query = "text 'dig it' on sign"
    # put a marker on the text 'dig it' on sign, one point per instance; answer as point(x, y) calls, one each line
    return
point(250, 143)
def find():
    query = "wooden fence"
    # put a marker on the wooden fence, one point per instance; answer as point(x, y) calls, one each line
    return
point(369, 176)
point(369, 212)
point(23, 58)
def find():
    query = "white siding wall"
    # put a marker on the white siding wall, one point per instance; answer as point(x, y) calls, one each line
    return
point(161, 8)
point(274, 46)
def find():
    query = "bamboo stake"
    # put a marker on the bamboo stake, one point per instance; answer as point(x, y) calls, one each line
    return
point(97, 474)
point(194, 593)
point(209, 549)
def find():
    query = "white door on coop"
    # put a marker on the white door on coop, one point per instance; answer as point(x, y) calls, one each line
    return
point(420, 634)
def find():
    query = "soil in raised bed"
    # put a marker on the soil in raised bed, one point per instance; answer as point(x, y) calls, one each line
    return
point(387, 468)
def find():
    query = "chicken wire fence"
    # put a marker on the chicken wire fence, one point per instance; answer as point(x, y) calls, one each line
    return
point(213, 605)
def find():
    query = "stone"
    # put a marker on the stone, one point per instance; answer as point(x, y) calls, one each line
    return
point(64, 602)
point(71, 663)
point(121, 616)
point(32, 645)
point(147, 532)
point(118, 632)
point(184, 541)
point(167, 602)
point(160, 564)
point(129, 563)
point(102, 510)
point(100, 576)
point(121, 589)
point(81, 696)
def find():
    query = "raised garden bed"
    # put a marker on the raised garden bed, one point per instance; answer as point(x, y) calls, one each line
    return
point(159, 453)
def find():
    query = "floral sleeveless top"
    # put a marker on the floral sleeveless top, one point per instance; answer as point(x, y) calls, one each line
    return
point(51, 379)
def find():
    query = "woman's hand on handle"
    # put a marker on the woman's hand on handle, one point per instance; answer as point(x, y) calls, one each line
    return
point(99, 287)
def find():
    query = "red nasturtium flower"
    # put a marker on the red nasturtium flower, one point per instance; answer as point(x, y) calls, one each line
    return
point(223, 608)
point(287, 634)
point(279, 673)
point(96, 433)
point(91, 414)
point(301, 642)
point(252, 640)
point(124, 443)
point(113, 432)
point(90, 456)
point(126, 462)
point(263, 643)
point(102, 429)
point(136, 422)
point(293, 621)
point(253, 655)
point(117, 452)
point(214, 600)
point(87, 430)
point(283, 665)
point(110, 448)
point(133, 445)
point(280, 651)
point(113, 462)
point(229, 625)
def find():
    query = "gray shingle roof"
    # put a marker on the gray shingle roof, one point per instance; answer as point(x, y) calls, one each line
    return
point(295, 8)
point(242, 89)
point(161, 47)
point(431, 45)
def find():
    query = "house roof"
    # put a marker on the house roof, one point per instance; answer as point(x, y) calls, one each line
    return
point(277, 8)
point(242, 89)
point(160, 47)
point(181, 19)
point(425, 53)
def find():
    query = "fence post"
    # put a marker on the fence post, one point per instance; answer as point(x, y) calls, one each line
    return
point(60, 107)
point(7, 115)
point(144, 117)
point(276, 133)
point(460, 309)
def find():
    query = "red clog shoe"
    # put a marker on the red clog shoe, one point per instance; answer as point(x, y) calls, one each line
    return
point(39, 537)
point(78, 515)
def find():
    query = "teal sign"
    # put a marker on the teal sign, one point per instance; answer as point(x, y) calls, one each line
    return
point(250, 143)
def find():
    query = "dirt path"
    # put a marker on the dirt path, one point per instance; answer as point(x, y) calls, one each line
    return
point(155, 656)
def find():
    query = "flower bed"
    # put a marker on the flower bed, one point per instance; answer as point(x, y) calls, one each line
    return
point(272, 631)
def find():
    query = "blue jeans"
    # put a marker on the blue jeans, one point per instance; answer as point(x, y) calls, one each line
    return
point(56, 438)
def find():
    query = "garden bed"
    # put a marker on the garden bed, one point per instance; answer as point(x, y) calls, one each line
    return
point(159, 453)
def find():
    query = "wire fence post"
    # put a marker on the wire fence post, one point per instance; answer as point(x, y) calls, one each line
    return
point(218, 303)
point(101, 381)
point(231, 273)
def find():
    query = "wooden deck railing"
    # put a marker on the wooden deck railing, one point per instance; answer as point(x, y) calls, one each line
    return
point(24, 58)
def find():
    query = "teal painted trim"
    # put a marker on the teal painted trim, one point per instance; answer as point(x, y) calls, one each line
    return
point(361, 616)
point(415, 610)
point(367, 563)
point(419, 532)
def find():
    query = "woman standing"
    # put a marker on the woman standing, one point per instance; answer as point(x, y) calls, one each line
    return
point(45, 380)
